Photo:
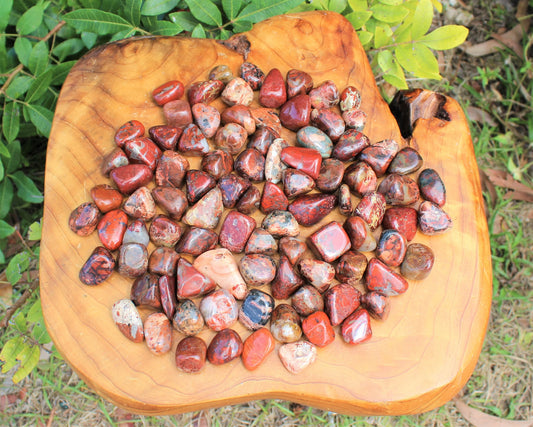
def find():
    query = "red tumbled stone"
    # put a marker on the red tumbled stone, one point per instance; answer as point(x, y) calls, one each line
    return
point(191, 354)
point(106, 197)
point(177, 113)
point(257, 269)
point(84, 219)
point(168, 91)
point(165, 136)
point(112, 227)
point(380, 155)
point(399, 190)
point(232, 188)
point(432, 219)
point(127, 131)
point(261, 140)
point(351, 267)
point(241, 115)
point(376, 304)
point(256, 348)
point(312, 208)
point(98, 267)
point(171, 169)
point(406, 161)
point(273, 93)
point(187, 318)
point(140, 204)
point(251, 164)
point(196, 241)
point(345, 200)
point(318, 273)
point(371, 208)
point(296, 183)
point(130, 177)
point(350, 98)
point(402, 219)
point(143, 150)
point(329, 122)
point(193, 142)
point(360, 234)
point(292, 248)
point(167, 290)
point(287, 280)
point(145, 291)
point(158, 333)
point(330, 241)
point(325, 95)
point(217, 163)
point(261, 242)
point(207, 118)
point(128, 320)
point(165, 231)
point(298, 82)
point(163, 261)
point(318, 330)
point(225, 346)
point(132, 260)
point(383, 279)
point(172, 200)
point(235, 231)
point(252, 74)
point(349, 145)
point(340, 301)
point(356, 328)
point(219, 309)
point(232, 138)
point(296, 112)
point(190, 282)
point(205, 91)
point(198, 183)
point(114, 160)
point(431, 187)
point(273, 198)
point(331, 173)
point(391, 248)
point(361, 178)
point(307, 160)
point(418, 262)
point(307, 300)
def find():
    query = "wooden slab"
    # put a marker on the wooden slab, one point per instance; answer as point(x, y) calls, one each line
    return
point(418, 358)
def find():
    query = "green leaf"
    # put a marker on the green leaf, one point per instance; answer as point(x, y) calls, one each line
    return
point(34, 232)
point(39, 86)
point(12, 163)
point(419, 60)
point(89, 39)
point(18, 265)
point(184, 20)
point(437, 5)
point(446, 37)
point(6, 196)
point(40, 334)
point(242, 26)
point(123, 34)
point(96, 21)
point(2, 257)
point(41, 117)
point(4, 152)
point(31, 19)
point(392, 71)
point(165, 28)
point(61, 71)
point(365, 37)
point(12, 348)
point(5, 11)
point(35, 313)
point(231, 7)
point(23, 48)
point(205, 11)
point(337, 5)
point(263, 9)
point(157, 7)
point(358, 19)
point(132, 11)
point(19, 86)
point(198, 32)
point(38, 60)
point(391, 2)
point(389, 14)
point(358, 5)
point(28, 361)
point(68, 47)
point(26, 188)
point(5, 229)
point(382, 35)
point(422, 19)
point(1, 171)
point(11, 122)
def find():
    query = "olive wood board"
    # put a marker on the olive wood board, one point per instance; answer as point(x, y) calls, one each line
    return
point(417, 359)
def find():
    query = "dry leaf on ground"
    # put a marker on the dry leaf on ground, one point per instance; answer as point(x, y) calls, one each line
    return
point(505, 180)
point(478, 115)
point(480, 419)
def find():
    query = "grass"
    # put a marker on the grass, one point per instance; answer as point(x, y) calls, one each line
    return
point(501, 384)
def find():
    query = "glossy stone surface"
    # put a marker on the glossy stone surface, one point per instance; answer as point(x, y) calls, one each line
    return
point(158, 333)
point(237, 91)
point(207, 211)
point(274, 167)
point(127, 131)
point(193, 142)
point(286, 281)
point(190, 356)
point(399, 190)
point(380, 155)
point(372, 209)
point(142, 150)
point(252, 74)
point(221, 266)
point(132, 260)
point(136, 232)
point(171, 200)
point(130, 177)
point(402, 219)
point(98, 267)
point(167, 290)
point(198, 183)
point(318, 330)
point(292, 248)
point(329, 122)
point(331, 173)
point(249, 201)
point(145, 291)
point(177, 113)
point(235, 231)
point(166, 137)
point(376, 304)
point(431, 187)
point(325, 95)
point(256, 309)
point(127, 319)
point(267, 118)
point(360, 234)
point(168, 91)
point(261, 140)
point(433, 220)
point(204, 92)
point(356, 328)
point(298, 82)
point(221, 72)
point(196, 241)
point(217, 163)
point(106, 198)
point(261, 242)
point(257, 269)
point(163, 261)
point(406, 161)
point(380, 278)
point(241, 115)
point(219, 309)
point(318, 273)
point(296, 183)
point(140, 204)
point(330, 241)
point(351, 267)
point(207, 118)
point(190, 282)
point(312, 137)
point(418, 262)
point(84, 219)
point(225, 346)
point(391, 248)
point(111, 228)
point(285, 324)
point(296, 112)
point(273, 198)
point(340, 301)
point(307, 300)
point(231, 137)
point(310, 209)
point(232, 188)
point(297, 356)
point(273, 93)
point(355, 119)
point(349, 98)
point(349, 145)
point(113, 160)
point(187, 319)
point(171, 169)
point(281, 223)
point(345, 200)
point(256, 348)
point(307, 160)
point(361, 178)
point(165, 231)
point(251, 164)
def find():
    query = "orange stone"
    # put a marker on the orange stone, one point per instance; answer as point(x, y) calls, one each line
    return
point(256, 348)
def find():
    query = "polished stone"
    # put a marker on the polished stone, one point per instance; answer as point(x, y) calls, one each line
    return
point(406, 161)
point(256, 348)
point(292, 248)
point(163, 261)
point(145, 291)
point(256, 309)
point(177, 113)
point(381, 278)
point(249, 201)
point(198, 183)
point(360, 234)
point(399, 190)
point(376, 304)
point(140, 205)
point(128, 321)
point(232, 188)
point(310, 209)
point(330, 241)
point(172, 200)
point(225, 346)
point(273, 92)
point(281, 223)
point(111, 228)
point(349, 145)
point(261, 242)
point(325, 95)
point(158, 333)
point(196, 241)
point(351, 267)
point(312, 137)
point(136, 232)
point(165, 136)
point(318, 273)
point(85, 218)
point(257, 269)
point(402, 219)
point(307, 160)
point(142, 150)
point(307, 300)
point(113, 160)
point(190, 356)
point(217, 163)
point(169, 91)
point(132, 260)
point(286, 281)
point(207, 118)
point(231, 137)
point(167, 290)
point(318, 330)
point(204, 92)
point(391, 248)
point(106, 198)
point(329, 122)
point(356, 328)
point(297, 356)
point(171, 169)
point(431, 187)
point(361, 178)
point(274, 167)
point(190, 282)
point(345, 200)
point(241, 115)
point(340, 301)
point(207, 211)
point(127, 131)
point(98, 267)
point(418, 262)
point(380, 155)
point(187, 319)
point(296, 112)
point(235, 231)
point(297, 183)
point(252, 74)
point(250, 164)
point(193, 141)
point(237, 91)
point(285, 324)
point(372, 209)
point(349, 98)
point(165, 231)
point(219, 310)
point(432, 219)
point(331, 174)
point(298, 83)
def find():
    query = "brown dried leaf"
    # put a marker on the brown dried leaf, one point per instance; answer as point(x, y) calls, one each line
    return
point(488, 186)
point(200, 420)
point(478, 115)
point(480, 419)
point(505, 180)
point(519, 195)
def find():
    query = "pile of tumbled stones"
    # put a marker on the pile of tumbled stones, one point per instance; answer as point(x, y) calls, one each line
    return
point(188, 296)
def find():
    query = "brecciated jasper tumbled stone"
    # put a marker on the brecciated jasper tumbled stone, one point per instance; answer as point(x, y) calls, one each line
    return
point(252, 74)
point(256, 309)
point(273, 93)
point(261, 242)
point(158, 333)
point(296, 183)
point(171, 169)
point(379, 155)
point(318, 273)
point(127, 131)
point(296, 356)
point(231, 137)
point(145, 291)
point(143, 150)
point(418, 261)
point(298, 82)
point(187, 319)
point(296, 112)
point(232, 188)
point(360, 234)
point(361, 178)
point(307, 300)
point(349, 98)
point(371, 208)
point(330, 241)
point(285, 324)
point(219, 309)
point(204, 91)
point(262, 139)
point(307, 160)
point(310, 209)
point(196, 241)
point(113, 160)
point(381, 278)
point(329, 122)
point(376, 304)
point(225, 346)
point(235, 231)
point(312, 137)
point(351, 267)
point(191, 354)
point(168, 91)
point(140, 204)
point(391, 248)
point(402, 219)
point(193, 141)
point(172, 200)
point(256, 348)
point(132, 260)
point(112, 227)
point(106, 197)
point(349, 145)
point(356, 328)
point(281, 223)
point(207, 118)
point(274, 166)
point(163, 261)
point(98, 267)
point(165, 136)
point(286, 281)
point(128, 320)
point(222, 73)
point(167, 290)
point(345, 200)
point(318, 330)
point(406, 161)
point(273, 198)
point(250, 163)
point(217, 163)
point(325, 95)
point(292, 248)
point(340, 301)
point(331, 173)
point(431, 187)
point(207, 211)
point(257, 269)
point(241, 115)
point(237, 91)
point(198, 183)
point(399, 190)
point(136, 232)
point(84, 219)
point(432, 219)
point(250, 200)
point(190, 282)
point(165, 231)
point(130, 177)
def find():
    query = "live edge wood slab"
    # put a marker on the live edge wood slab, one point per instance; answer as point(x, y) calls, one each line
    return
point(417, 359)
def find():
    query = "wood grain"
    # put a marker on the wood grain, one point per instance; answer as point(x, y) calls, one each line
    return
point(418, 359)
